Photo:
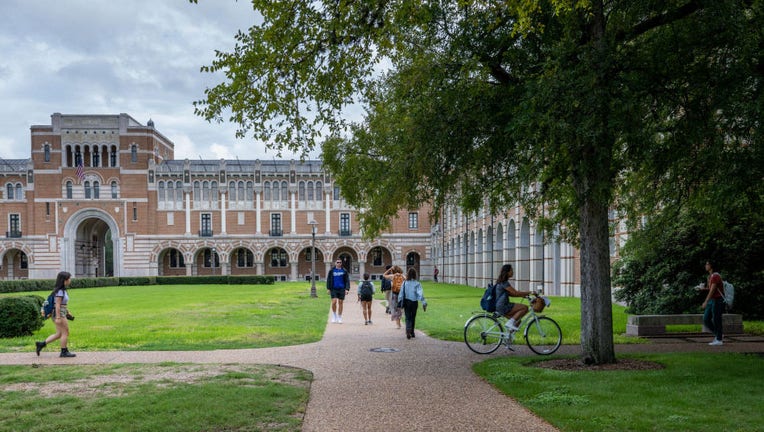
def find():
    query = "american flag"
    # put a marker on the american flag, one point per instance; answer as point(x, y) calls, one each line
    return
point(80, 171)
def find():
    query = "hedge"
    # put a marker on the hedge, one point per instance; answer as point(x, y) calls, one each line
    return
point(26, 285)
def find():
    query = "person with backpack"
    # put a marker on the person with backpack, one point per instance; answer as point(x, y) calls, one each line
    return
point(338, 285)
point(395, 275)
point(386, 287)
point(504, 290)
point(365, 296)
point(410, 296)
point(713, 305)
point(60, 315)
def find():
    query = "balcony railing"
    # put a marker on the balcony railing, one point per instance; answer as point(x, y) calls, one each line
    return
point(345, 233)
point(13, 234)
point(205, 233)
point(276, 233)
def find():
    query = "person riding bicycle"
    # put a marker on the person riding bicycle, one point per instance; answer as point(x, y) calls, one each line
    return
point(513, 311)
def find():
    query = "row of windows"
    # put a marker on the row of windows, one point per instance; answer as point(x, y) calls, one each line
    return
point(239, 191)
point(14, 191)
point(92, 189)
point(277, 257)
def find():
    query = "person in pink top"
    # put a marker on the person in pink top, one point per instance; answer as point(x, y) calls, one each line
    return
point(713, 306)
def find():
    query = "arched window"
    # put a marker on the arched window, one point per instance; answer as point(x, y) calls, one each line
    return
point(250, 191)
point(160, 192)
point(9, 191)
point(96, 190)
point(113, 156)
point(69, 190)
point(232, 191)
point(133, 153)
point(114, 189)
point(179, 193)
point(276, 191)
point(46, 150)
point(96, 157)
point(310, 191)
point(87, 190)
point(19, 192)
point(205, 191)
point(214, 194)
point(301, 191)
point(197, 191)
point(279, 258)
point(241, 196)
point(284, 192)
point(319, 192)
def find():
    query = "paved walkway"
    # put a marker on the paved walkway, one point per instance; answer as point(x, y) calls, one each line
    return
point(370, 377)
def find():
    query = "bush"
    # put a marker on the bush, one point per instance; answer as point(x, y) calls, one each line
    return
point(661, 264)
point(19, 316)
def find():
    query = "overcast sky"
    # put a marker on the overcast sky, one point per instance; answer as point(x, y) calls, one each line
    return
point(140, 57)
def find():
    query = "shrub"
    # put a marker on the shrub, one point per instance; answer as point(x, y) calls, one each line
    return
point(19, 316)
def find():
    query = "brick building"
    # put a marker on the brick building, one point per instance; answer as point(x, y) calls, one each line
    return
point(102, 195)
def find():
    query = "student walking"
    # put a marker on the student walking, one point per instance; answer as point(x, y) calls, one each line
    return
point(386, 286)
point(713, 306)
point(60, 316)
point(410, 296)
point(395, 275)
point(365, 296)
point(338, 285)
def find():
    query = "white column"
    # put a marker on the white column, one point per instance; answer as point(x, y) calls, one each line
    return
point(188, 213)
point(328, 213)
point(222, 213)
point(293, 215)
point(258, 215)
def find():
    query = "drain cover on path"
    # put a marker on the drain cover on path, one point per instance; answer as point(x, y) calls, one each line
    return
point(384, 350)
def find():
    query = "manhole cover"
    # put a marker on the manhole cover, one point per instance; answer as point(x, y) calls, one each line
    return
point(384, 350)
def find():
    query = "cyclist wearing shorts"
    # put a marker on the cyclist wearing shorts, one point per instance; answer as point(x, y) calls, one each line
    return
point(514, 311)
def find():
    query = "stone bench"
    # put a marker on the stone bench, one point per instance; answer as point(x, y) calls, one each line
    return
point(652, 325)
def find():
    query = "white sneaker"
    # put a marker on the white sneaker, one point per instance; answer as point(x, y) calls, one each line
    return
point(339, 319)
point(511, 325)
point(716, 342)
point(334, 317)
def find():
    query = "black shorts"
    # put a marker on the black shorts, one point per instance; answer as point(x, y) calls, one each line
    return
point(367, 297)
point(338, 294)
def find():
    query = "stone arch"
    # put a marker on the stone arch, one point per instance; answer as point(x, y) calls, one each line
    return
point(88, 228)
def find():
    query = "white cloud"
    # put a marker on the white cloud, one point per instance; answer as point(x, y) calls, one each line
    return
point(140, 57)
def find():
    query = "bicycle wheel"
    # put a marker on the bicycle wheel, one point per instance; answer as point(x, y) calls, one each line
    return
point(543, 335)
point(482, 334)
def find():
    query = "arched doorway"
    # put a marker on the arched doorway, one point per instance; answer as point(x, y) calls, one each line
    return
point(412, 260)
point(90, 245)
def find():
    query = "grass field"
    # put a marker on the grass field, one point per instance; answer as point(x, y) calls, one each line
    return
point(168, 397)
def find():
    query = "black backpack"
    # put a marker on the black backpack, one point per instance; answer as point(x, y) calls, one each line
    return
point(367, 290)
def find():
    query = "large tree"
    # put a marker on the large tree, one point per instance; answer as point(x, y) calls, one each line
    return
point(570, 108)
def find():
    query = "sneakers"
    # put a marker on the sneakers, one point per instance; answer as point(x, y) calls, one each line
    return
point(511, 325)
point(716, 342)
point(39, 346)
point(367, 322)
point(334, 317)
point(339, 319)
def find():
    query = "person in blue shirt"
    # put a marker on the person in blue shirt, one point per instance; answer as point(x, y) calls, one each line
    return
point(338, 285)
point(410, 296)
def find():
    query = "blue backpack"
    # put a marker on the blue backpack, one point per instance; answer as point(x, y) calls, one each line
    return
point(48, 306)
point(488, 302)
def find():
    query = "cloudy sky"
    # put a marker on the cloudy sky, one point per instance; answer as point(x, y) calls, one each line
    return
point(140, 57)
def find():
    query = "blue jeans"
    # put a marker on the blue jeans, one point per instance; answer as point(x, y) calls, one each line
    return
point(712, 317)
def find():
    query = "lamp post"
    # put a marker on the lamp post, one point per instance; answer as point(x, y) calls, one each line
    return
point(212, 260)
point(313, 225)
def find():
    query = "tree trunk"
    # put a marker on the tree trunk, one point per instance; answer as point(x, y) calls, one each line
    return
point(596, 302)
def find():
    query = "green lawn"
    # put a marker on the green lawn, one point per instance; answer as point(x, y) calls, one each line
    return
point(207, 317)
point(693, 392)
point(185, 317)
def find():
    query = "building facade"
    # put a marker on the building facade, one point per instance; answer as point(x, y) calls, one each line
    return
point(102, 195)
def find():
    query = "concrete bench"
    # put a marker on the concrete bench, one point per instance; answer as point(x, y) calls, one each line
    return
point(652, 325)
